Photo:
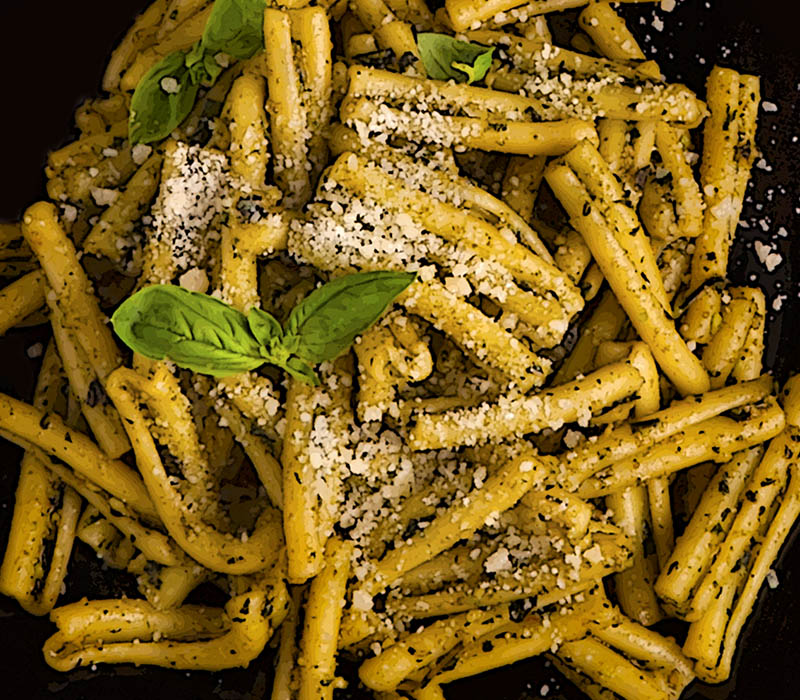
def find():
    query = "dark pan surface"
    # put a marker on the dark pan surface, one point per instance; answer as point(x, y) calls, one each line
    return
point(52, 55)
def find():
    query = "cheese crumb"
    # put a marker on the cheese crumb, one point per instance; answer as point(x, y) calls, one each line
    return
point(103, 197)
point(140, 153)
point(170, 85)
point(362, 600)
point(195, 280)
point(498, 561)
point(766, 256)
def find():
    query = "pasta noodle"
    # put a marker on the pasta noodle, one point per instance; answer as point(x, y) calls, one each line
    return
point(557, 432)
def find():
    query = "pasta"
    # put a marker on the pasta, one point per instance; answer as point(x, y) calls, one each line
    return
point(441, 368)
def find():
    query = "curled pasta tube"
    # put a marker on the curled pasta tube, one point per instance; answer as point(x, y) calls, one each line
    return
point(416, 651)
point(608, 549)
point(609, 32)
point(21, 575)
point(605, 323)
point(648, 647)
point(74, 298)
point(204, 542)
point(463, 14)
point(24, 423)
point(284, 684)
point(707, 633)
point(108, 543)
point(44, 509)
point(763, 490)
point(689, 203)
point(774, 539)
point(21, 298)
point(310, 26)
point(500, 491)
point(288, 117)
point(155, 545)
point(249, 148)
point(389, 31)
point(389, 354)
point(141, 34)
point(379, 85)
point(516, 137)
point(561, 507)
point(629, 440)
point(584, 683)
point(607, 194)
point(215, 640)
point(634, 586)
point(610, 669)
point(100, 414)
point(241, 245)
point(323, 614)
point(455, 190)
point(631, 95)
point(514, 641)
point(723, 349)
point(123, 620)
point(170, 585)
point(643, 306)
point(303, 546)
point(117, 221)
point(455, 564)
point(552, 407)
point(478, 335)
point(729, 150)
point(183, 36)
point(521, 184)
point(310, 497)
point(661, 519)
point(702, 317)
point(714, 439)
point(750, 361)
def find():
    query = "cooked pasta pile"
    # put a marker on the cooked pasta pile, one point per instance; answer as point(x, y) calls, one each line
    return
point(559, 434)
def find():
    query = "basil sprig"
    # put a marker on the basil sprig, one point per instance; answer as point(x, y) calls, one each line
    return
point(201, 333)
point(446, 58)
point(167, 92)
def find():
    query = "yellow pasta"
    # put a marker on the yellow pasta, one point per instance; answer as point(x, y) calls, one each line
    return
point(458, 485)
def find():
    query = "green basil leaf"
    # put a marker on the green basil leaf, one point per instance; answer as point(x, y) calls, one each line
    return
point(156, 112)
point(265, 328)
point(328, 320)
point(194, 55)
point(193, 330)
point(301, 370)
point(235, 27)
point(447, 58)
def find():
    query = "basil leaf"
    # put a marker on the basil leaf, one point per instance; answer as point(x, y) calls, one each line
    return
point(328, 320)
point(193, 330)
point(155, 112)
point(445, 57)
point(235, 27)
point(301, 370)
point(265, 327)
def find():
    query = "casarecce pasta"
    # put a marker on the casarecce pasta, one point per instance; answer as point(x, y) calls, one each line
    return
point(486, 471)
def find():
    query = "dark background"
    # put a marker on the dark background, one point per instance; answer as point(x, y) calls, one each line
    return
point(52, 54)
